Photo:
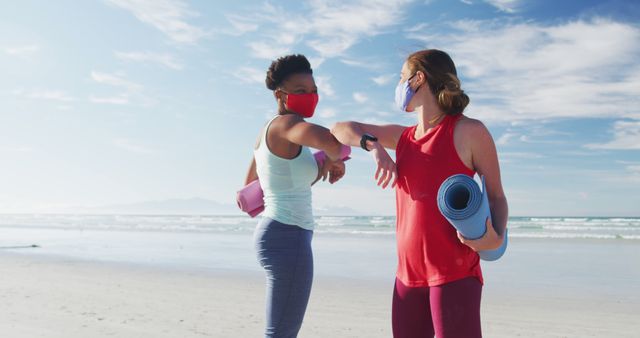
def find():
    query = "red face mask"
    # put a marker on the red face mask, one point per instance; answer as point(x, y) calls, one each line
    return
point(303, 104)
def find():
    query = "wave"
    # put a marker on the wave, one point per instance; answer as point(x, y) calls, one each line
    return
point(573, 236)
point(524, 227)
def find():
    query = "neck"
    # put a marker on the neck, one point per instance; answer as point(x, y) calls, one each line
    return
point(428, 117)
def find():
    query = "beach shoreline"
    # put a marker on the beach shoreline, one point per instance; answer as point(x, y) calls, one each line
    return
point(64, 297)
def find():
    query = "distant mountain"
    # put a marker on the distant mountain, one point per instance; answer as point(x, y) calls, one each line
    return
point(174, 206)
point(197, 206)
point(340, 211)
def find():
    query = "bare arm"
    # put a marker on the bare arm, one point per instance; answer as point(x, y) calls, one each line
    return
point(350, 133)
point(485, 161)
point(299, 131)
point(252, 174)
point(484, 158)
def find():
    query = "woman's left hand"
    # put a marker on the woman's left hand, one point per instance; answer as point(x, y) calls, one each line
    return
point(337, 171)
point(489, 241)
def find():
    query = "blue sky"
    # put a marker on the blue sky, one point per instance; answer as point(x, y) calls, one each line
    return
point(123, 101)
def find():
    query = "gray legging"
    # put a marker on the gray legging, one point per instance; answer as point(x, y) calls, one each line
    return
point(284, 251)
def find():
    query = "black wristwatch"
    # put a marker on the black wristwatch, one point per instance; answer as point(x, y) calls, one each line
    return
point(365, 138)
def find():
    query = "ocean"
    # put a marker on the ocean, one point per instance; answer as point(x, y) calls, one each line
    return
point(612, 228)
point(547, 255)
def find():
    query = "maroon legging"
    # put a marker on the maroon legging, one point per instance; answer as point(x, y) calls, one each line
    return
point(450, 310)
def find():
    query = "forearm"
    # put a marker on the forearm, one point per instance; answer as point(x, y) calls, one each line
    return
point(252, 174)
point(499, 214)
point(348, 133)
point(315, 136)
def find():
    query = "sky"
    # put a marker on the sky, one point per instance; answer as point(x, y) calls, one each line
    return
point(122, 101)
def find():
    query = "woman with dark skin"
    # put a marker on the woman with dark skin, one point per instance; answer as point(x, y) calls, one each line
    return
point(438, 281)
point(287, 169)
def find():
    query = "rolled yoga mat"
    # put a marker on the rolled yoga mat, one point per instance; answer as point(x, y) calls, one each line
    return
point(466, 207)
point(251, 198)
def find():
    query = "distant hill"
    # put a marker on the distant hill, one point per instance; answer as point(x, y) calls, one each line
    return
point(174, 206)
point(196, 206)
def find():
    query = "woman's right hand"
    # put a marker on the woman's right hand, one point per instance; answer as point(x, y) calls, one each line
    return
point(386, 170)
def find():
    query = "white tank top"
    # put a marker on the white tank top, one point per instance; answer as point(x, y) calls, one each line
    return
point(286, 184)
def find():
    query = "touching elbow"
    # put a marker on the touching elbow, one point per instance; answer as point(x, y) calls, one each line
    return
point(337, 127)
point(341, 129)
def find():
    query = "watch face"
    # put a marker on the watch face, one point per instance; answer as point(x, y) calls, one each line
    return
point(365, 138)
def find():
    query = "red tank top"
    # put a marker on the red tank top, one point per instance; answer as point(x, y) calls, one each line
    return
point(429, 252)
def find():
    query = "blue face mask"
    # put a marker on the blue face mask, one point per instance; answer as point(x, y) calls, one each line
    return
point(404, 94)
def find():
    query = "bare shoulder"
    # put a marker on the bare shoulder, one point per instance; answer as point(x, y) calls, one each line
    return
point(471, 128)
point(288, 121)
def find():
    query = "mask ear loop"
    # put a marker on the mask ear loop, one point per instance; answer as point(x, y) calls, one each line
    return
point(282, 103)
point(412, 76)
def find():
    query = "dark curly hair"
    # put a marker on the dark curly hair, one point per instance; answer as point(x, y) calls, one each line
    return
point(284, 66)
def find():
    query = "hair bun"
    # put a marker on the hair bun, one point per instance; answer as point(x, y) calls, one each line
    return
point(451, 98)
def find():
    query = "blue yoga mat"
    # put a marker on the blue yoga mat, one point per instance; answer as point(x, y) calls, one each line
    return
point(466, 207)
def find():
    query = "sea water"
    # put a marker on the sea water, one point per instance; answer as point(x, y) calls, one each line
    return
point(548, 249)
point(627, 228)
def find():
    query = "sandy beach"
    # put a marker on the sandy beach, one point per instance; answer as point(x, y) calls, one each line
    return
point(46, 296)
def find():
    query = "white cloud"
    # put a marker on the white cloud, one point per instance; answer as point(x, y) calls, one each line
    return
point(362, 63)
point(634, 169)
point(633, 173)
point(168, 16)
point(115, 79)
point(45, 94)
point(508, 6)
point(316, 61)
point(129, 92)
point(250, 75)
point(338, 25)
point(117, 100)
point(324, 87)
point(527, 70)
point(22, 50)
point(132, 146)
point(327, 113)
point(329, 27)
point(626, 136)
point(268, 50)
point(506, 138)
point(240, 24)
point(360, 97)
point(520, 155)
point(384, 79)
point(162, 59)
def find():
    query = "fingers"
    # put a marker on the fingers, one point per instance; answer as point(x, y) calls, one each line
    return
point(489, 241)
point(461, 238)
point(336, 175)
point(388, 178)
point(382, 176)
point(388, 173)
point(337, 171)
point(392, 175)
